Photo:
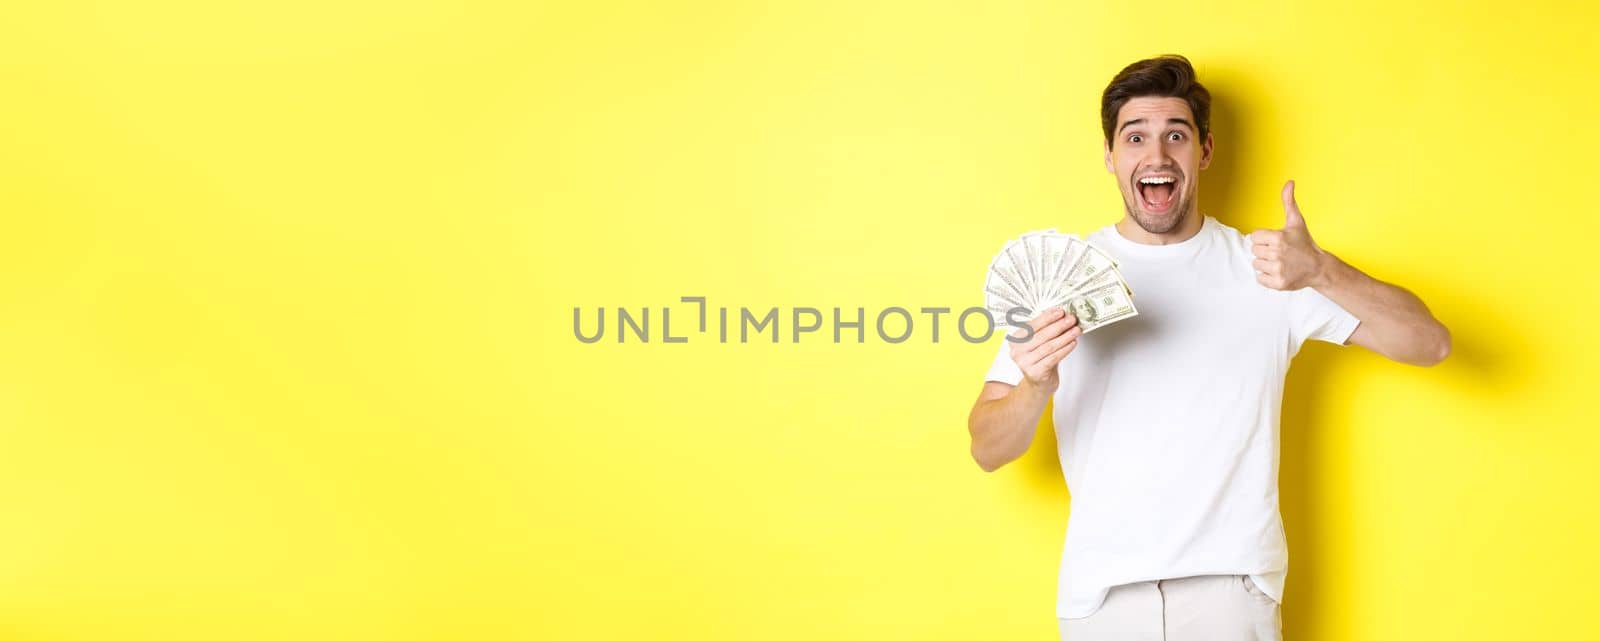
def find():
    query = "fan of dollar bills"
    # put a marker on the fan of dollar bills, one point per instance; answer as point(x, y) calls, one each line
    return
point(1043, 270)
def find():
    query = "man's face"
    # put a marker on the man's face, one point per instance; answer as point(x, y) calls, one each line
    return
point(1156, 157)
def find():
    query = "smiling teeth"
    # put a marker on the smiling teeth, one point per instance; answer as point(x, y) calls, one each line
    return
point(1157, 180)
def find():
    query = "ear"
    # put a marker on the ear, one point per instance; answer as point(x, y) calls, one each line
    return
point(1110, 169)
point(1205, 152)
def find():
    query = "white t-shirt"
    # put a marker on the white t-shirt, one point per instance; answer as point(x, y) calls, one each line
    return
point(1167, 423)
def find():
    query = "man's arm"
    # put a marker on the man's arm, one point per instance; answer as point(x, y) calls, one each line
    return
point(1003, 419)
point(1394, 322)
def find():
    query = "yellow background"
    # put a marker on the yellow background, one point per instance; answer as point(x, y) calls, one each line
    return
point(286, 295)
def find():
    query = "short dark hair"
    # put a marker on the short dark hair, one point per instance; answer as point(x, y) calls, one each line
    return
point(1168, 76)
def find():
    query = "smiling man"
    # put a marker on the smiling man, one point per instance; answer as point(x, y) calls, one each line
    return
point(1167, 423)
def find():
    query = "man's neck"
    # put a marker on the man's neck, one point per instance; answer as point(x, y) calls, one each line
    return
point(1131, 230)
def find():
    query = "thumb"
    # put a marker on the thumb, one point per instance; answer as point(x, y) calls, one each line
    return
point(1291, 209)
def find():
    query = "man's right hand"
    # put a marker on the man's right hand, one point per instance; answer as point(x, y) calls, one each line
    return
point(1055, 334)
point(1005, 416)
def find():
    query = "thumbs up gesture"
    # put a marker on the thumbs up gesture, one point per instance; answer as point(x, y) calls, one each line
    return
point(1287, 259)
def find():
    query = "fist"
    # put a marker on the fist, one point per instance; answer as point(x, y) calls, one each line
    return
point(1287, 259)
point(1055, 334)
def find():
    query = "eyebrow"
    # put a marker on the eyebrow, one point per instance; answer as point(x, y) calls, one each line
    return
point(1170, 121)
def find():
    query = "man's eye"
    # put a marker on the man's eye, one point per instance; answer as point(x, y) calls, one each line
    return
point(1175, 136)
point(1135, 138)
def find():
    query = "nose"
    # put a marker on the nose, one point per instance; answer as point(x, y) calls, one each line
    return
point(1158, 160)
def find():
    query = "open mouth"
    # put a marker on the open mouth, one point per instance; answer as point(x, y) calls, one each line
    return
point(1157, 192)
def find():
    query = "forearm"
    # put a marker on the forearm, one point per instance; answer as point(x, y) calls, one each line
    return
point(1002, 428)
point(1397, 323)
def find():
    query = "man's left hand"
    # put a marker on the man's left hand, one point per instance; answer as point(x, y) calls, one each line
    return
point(1287, 259)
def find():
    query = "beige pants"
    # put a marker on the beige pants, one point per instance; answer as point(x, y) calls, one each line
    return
point(1224, 607)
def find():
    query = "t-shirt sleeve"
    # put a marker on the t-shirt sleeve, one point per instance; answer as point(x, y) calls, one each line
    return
point(1004, 369)
point(1314, 316)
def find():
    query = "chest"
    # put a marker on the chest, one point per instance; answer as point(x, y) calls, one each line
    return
point(1193, 318)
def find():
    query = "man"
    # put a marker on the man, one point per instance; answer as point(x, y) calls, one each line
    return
point(1167, 423)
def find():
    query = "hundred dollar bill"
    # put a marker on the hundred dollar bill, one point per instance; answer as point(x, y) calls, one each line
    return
point(1090, 264)
point(1043, 270)
point(1056, 251)
point(1005, 277)
point(1056, 285)
point(1031, 248)
point(1002, 316)
point(1020, 272)
point(996, 292)
point(1101, 306)
point(1035, 242)
point(1112, 275)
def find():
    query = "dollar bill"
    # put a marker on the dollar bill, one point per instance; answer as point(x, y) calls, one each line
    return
point(1104, 277)
point(1045, 269)
point(1005, 278)
point(1090, 264)
point(1020, 270)
point(1101, 306)
point(1058, 250)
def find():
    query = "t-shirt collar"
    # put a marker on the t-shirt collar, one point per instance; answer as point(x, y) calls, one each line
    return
point(1185, 248)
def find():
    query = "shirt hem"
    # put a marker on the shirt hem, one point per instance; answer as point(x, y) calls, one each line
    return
point(1100, 600)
